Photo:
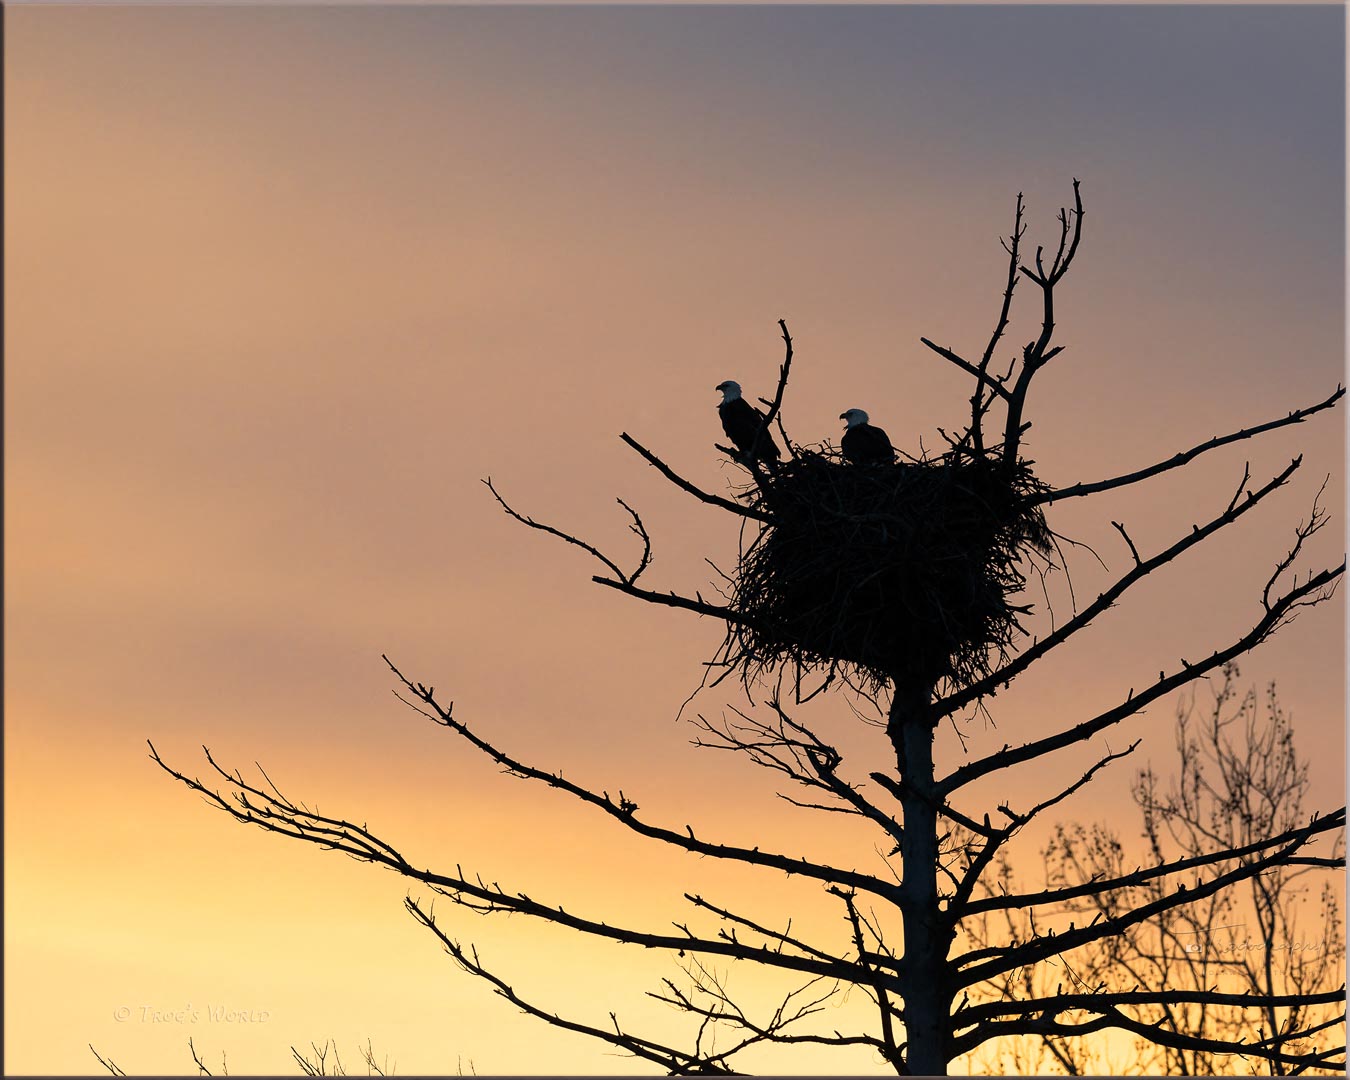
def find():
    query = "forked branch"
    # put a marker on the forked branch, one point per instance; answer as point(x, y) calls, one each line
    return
point(637, 527)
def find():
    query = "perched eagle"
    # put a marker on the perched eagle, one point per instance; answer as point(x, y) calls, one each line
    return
point(864, 444)
point(741, 421)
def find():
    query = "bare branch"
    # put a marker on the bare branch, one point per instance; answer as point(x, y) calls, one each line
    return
point(1002, 676)
point(685, 485)
point(1317, 518)
point(1021, 819)
point(1099, 886)
point(699, 606)
point(1098, 1002)
point(979, 404)
point(1061, 267)
point(891, 1050)
point(628, 817)
point(1309, 592)
point(640, 531)
point(202, 1070)
point(797, 752)
point(983, 377)
point(566, 537)
point(251, 805)
point(676, 1061)
point(1134, 551)
point(781, 936)
point(958, 906)
point(1038, 353)
point(1047, 1024)
point(777, 403)
point(107, 1063)
point(1185, 456)
point(724, 1010)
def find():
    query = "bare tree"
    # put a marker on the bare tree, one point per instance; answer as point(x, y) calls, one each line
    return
point(924, 623)
point(315, 1063)
point(1240, 779)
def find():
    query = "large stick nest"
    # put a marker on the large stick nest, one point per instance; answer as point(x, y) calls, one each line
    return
point(904, 572)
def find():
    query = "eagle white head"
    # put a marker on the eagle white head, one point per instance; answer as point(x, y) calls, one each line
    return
point(855, 417)
point(731, 390)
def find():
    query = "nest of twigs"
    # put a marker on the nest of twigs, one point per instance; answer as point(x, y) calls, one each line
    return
point(905, 572)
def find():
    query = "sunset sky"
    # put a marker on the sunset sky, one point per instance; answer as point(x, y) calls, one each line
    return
point(283, 284)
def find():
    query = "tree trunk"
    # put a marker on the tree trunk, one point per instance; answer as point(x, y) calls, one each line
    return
point(924, 989)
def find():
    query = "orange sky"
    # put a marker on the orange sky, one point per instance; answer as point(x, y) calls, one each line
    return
point(283, 284)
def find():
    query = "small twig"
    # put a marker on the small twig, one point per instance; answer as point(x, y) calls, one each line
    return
point(985, 379)
point(107, 1063)
point(1134, 550)
point(202, 1070)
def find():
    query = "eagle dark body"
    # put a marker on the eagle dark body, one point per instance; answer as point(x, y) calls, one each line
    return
point(864, 444)
point(741, 422)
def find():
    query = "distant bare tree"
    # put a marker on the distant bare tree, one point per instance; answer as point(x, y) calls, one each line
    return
point(908, 589)
point(1240, 780)
point(315, 1063)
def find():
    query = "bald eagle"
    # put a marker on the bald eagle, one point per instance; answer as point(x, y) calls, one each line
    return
point(864, 444)
point(741, 421)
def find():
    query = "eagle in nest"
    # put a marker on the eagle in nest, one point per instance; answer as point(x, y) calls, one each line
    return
point(864, 444)
point(741, 421)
